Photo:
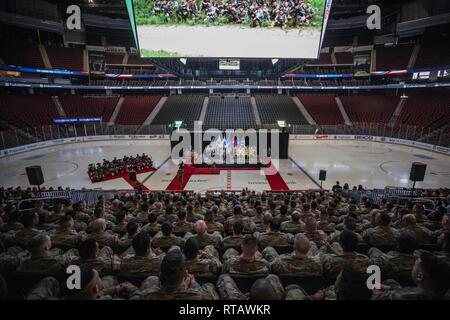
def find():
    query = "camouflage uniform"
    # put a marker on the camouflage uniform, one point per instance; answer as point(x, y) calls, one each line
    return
point(271, 238)
point(160, 241)
point(421, 234)
point(53, 264)
point(214, 226)
point(232, 241)
point(152, 227)
point(393, 262)
point(408, 293)
point(149, 264)
point(381, 236)
point(326, 227)
point(11, 259)
point(292, 227)
point(152, 291)
point(167, 217)
point(246, 222)
point(104, 239)
point(289, 263)
point(46, 289)
point(334, 263)
point(183, 226)
point(105, 262)
point(206, 239)
point(206, 265)
point(233, 263)
point(120, 228)
point(68, 238)
point(334, 237)
point(317, 237)
point(228, 290)
point(24, 236)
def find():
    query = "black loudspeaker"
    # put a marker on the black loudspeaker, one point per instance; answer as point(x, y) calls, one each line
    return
point(35, 176)
point(132, 176)
point(323, 175)
point(417, 171)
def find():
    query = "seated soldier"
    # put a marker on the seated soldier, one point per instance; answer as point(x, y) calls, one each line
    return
point(168, 216)
point(444, 243)
point(399, 262)
point(410, 226)
point(295, 225)
point(42, 260)
point(182, 225)
point(297, 262)
point(324, 223)
point(334, 263)
point(317, 236)
point(283, 216)
point(176, 282)
point(236, 238)
point(432, 278)
point(104, 260)
point(419, 213)
point(268, 288)
point(133, 228)
point(348, 224)
point(237, 215)
point(258, 217)
point(165, 238)
point(203, 237)
point(273, 237)
point(201, 263)
point(158, 209)
point(212, 225)
point(152, 226)
point(29, 221)
point(121, 225)
point(194, 215)
point(143, 260)
point(142, 215)
point(248, 262)
point(383, 234)
point(65, 235)
point(102, 237)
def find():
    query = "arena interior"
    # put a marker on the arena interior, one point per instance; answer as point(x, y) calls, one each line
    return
point(351, 202)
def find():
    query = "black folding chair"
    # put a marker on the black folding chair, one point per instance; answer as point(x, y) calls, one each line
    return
point(310, 283)
point(244, 282)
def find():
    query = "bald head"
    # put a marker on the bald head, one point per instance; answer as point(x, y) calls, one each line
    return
point(263, 290)
point(201, 227)
point(301, 244)
point(98, 225)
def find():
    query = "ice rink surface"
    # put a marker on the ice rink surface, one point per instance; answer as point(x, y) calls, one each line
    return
point(371, 164)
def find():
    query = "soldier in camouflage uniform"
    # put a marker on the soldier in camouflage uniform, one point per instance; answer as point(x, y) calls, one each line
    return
point(203, 237)
point(324, 223)
point(294, 225)
point(237, 237)
point(194, 216)
point(268, 288)
point(182, 225)
point(212, 225)
point(296, 262)
point(421, 234)
point(176, 282)
point(66, 235)
point(143, 260)
point(142, 215)
point(42, 261)
point(169, 215)
point(334, 263)
point(249, 226)
point(383, 234)
point(99, 234)
point(398, 262)
point(348, 224)
point(201, 263)
point(104, 260)
point(273, 237)
point(431, 276)
point(121, 224)
point(249, 262)
point(317, 236)
point(165, 238)
point(444, 242)
point(29, 221)
point(152, 226)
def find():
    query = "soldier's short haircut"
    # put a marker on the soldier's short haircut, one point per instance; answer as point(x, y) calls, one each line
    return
point(3, 288)
point(37, 242)
point(275, 224)
point(27, 219)
point(238, 227)
point(348, 240)
point(353, 285)
point(98, 212)
point(384, 219)
point(249, 240)
point(132, 227)
point(191, 248)
point(166, 228)
point(152, 218)
point(88, 249)
point(182, 214)
point(237, 210)
point(65, 220)
point(406, 243)
point(437, 272)
point(145, 206)
point(208, 215)
point(141, 243)
point(263, 290)
point(350, 223)
point(120, 216)
point(173, 268)
point(283, 210)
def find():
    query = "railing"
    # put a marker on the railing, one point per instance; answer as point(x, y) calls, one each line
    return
point(19, 137)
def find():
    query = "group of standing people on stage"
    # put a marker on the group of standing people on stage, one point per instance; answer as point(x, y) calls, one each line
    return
point(256, 12)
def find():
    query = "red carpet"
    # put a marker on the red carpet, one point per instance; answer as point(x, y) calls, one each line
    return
point(126, 177)
point(275, 181)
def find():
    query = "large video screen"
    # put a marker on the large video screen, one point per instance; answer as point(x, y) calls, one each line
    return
point(228, 28)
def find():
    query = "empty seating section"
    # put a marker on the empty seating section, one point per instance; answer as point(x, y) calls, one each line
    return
point(344, 57)
point(425, 111)
point(66, 58)
point(111, 58)
point(79, 106)
point(274, 108)
point(229, 113)
point(393, 57)
point(433, 54)
point(325, 58)
point(180, 108)
point(132, 59)
point(323, 109)
point(31, 111)
point(369, 109)
point(24, 55)
point(135, 109)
